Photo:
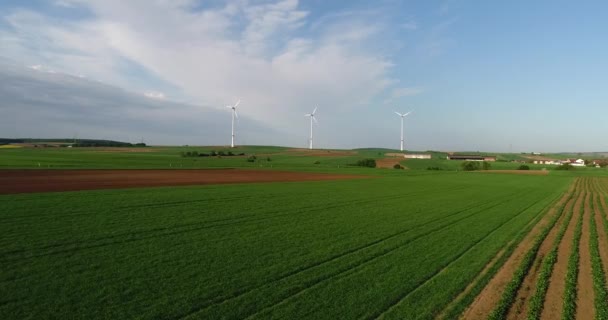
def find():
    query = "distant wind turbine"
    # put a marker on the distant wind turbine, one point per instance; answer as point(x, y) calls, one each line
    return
point(234, 114)
point(312, 118)
point(402, 115)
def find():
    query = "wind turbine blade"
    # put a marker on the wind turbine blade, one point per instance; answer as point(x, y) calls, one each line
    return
point(314, 119)
point(229, 107)
point(237, 103)
point(313, 112)
point(405, 115)
point(236, 114)
point(399, 114)
point(308, 115)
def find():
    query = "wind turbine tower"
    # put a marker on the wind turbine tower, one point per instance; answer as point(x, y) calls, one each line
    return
point(234, 115)
point(402, 115)
point(312, 118)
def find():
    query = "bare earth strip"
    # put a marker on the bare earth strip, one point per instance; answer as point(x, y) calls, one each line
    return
point(524, 172)
point(519, 309)
point(585, 308)
point(486, 301)
point(27, 181)
point(554, 300)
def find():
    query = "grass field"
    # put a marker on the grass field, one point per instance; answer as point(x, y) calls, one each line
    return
point(405, 244)
point(267, 157)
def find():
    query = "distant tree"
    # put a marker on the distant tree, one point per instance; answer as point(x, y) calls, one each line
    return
point(486, 165)
point(471, 165)
point(252, 159)
point(317, 162)
point(268, 159)
point(370, 163)
point(565, 166)
point(523, 167)
point(397, 166)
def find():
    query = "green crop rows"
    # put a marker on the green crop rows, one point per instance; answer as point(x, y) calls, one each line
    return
point(572, 276)
point(599, 277)
point(500, 312)
point(389, 247)
point(537, 300)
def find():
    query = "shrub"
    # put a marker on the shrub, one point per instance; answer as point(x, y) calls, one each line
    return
point(523, 167)
point(268, 159)
point(486, 165)
point(434, 168)
point(370, 163)
point(471, 166)
point(397, 166)
point(565, 166)
point(317, 162)
point(252, 159)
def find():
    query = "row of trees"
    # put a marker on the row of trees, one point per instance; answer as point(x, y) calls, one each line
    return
point(188, 154)
point(475, 165)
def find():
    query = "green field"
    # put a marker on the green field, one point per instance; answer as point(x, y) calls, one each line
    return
point(390, 246)
point(267, 157)
point(403, 244)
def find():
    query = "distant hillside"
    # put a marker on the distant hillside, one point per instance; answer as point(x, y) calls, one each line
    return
point(71, 142)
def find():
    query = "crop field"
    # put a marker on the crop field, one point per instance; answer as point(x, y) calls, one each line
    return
point(558, 270)
point(389, 247)
point(267, 157)
point(381, 244)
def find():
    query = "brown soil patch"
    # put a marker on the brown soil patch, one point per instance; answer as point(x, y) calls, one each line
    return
point(486, 301)
point(525, 172)
point(585, 308)
point(116, 149)
point(28, 181)
point(387, 162)
point(519, 309)
point(554, 300)
point(321, 153)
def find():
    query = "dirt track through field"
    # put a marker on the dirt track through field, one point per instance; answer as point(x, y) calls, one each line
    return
point(28, 181)
point(488, 299)
point(584, 304)
point(586, 202)
point(554, 299)
point(520, 308)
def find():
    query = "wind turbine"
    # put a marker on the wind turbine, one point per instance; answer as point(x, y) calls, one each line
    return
point(312, 118)
point(234, 114)
point(402, 115)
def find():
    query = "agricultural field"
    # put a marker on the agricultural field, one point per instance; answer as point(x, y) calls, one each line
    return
point(267, 157)
point(358, 243)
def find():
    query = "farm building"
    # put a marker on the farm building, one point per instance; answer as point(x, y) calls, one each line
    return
point(546, 161)
point(417, 156)
point(576, 162)
point(471, 157)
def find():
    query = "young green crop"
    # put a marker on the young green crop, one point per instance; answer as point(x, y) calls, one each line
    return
point(510, 292)
point(569, 310)
point(331, 249)
point(599, 276)
point(542, 284)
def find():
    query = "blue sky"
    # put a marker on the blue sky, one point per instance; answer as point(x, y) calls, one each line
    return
point(479, 75)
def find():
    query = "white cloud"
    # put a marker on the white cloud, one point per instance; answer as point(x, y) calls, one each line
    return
point(261, 53)
point(155, 95)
